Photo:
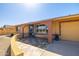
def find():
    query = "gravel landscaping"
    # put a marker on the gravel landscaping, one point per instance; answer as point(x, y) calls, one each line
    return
point(35, 42)
point(64, 48)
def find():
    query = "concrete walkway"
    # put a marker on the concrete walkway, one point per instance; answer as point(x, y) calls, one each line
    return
point(4, 44)
point(65, 48)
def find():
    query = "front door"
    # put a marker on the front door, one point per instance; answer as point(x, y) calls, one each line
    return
point(31, 30)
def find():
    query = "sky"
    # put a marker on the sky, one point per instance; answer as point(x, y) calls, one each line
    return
point(13, 14)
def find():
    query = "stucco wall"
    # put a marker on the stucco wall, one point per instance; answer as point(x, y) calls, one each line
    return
point(55, 28)
point(26, 29)
point(67, 28)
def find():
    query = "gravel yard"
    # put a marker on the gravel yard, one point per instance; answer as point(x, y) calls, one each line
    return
point(64, 48)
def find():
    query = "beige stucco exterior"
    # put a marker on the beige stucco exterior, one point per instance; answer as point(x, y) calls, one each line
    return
point(26, 29)
point(67, 27)
point(55, 27)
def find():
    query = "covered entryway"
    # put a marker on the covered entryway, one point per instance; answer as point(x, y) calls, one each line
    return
point(31, 30)
point(70, 30)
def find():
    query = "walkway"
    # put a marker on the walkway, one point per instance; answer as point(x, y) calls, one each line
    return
point(65, 48)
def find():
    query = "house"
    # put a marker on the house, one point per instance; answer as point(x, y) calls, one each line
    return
point(66, 27)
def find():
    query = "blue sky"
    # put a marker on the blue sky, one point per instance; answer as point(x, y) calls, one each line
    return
point(21, 13)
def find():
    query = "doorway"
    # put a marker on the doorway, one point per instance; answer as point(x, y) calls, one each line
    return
point(31, 30)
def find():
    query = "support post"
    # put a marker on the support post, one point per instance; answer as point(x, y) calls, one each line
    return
point(49, 32)
point(23, 31)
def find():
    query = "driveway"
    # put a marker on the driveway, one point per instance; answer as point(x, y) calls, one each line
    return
point(4, 44)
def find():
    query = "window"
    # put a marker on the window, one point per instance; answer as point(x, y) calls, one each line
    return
point(42, 28)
